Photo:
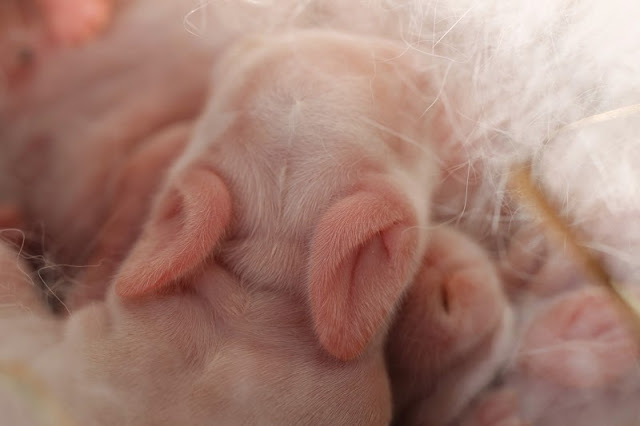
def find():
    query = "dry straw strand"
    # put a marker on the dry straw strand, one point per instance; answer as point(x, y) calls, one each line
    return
point(530, 193)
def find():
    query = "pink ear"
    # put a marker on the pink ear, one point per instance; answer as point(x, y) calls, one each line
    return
point(184, 227)
point(362, 257)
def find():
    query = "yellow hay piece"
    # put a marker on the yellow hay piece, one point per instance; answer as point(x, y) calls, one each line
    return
point(528, 192)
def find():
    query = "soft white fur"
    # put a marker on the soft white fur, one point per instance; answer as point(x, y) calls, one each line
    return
point(511, 75)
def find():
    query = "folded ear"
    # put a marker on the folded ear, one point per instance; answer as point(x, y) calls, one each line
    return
point(362, 256)
point(187, 222)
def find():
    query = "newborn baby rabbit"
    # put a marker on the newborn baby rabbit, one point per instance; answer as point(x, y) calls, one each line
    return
point(291, 184)
point(347, 241)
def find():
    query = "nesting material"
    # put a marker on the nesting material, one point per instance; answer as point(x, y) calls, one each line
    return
point(558, 229)
point(18, 379)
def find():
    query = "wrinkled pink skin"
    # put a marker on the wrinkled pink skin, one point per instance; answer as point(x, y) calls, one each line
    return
point(577, 358)
point(577, 362)
point(229, 367)
point(455, 349)
point(219, 354)
point(452, 334)
point(328, 207)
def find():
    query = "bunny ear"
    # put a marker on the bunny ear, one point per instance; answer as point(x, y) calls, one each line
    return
point(362, 257)
point(184, 227)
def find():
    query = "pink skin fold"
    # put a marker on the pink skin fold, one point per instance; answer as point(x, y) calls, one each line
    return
point(330, 120)
point(576, 362)
point(222, 354)
point(348, 239)
point(453, 333)
point(577, 358)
